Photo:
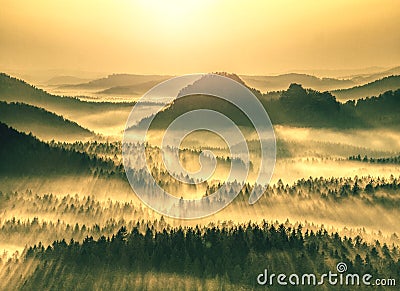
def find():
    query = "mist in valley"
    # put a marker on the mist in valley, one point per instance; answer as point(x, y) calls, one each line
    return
point(68, 189)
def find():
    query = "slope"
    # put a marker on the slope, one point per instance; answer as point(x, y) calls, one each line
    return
point(137, 89)
point(43, 124)
point(103, 117)
point(116, 80)
point(295, 107)
point(15, 90)
point(281, 82)
point(65, 80)
point(371, 89)
point(22, 154)
point(370, 77)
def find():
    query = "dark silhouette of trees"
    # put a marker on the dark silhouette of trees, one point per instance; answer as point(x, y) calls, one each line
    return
point(22, 154)
point(386, 160)
point(237, 253)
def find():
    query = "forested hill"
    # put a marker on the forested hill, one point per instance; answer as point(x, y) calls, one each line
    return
point(295, 106)
point(22, 154)
point(42, 123)
point(298, 107)
point(116, 80)
point(371, 89)
point(15, 90)
point(281, 82)
point(305, 107)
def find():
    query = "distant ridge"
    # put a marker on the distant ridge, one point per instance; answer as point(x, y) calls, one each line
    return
point(15, 90)
point(118, 80)
point(65, 80)
point(371, 89)
point(137, 89)
point(365, 78)
point(281, 82)
point(295, 106)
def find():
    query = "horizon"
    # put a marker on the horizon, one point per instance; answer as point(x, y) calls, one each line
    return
point(43, 75)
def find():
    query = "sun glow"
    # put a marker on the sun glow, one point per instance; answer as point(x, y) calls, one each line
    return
point(178, 36)
point(173, 14)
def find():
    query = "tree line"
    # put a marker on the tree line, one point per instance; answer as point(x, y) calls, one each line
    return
point(236, 253)
point(366, 159)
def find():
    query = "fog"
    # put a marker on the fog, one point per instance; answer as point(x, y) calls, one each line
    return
point(375, 139)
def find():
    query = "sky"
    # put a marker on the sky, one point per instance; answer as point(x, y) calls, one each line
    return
point(190, 36)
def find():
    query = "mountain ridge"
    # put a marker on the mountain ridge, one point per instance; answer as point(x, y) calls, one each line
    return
point(370, 89)
point(295, 106)
point(115, 80)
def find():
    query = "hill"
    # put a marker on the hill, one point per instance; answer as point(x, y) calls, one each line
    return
point(65, 80)
point(370, 77)
point(371, 89)
point(23, 154)
point(103, 117)
point(305, 107)
point(281, 82)
point(15, 90)
point(43, 124)
point(296, 106)
point(117, 80)
point(137, 89)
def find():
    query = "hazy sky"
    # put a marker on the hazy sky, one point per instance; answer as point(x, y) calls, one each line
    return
point(187, 36)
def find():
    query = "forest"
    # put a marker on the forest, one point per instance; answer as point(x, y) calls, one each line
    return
point(318, 109)
point(69, 218)
point(234, 254)
point(199, 145)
